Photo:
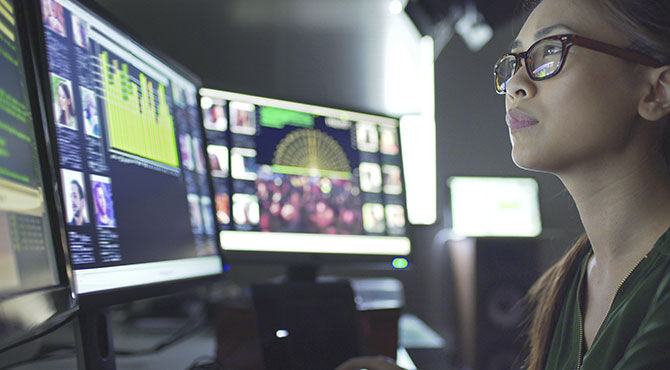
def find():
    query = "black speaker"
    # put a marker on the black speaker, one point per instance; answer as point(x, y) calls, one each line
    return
point(491, 276)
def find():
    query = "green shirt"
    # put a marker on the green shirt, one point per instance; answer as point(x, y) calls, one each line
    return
point(636, 331)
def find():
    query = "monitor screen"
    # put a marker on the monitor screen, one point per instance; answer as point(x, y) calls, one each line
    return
point(495, 206)
point(34, 290)
point(27, 260)
point(137, 204)
point(299, 178)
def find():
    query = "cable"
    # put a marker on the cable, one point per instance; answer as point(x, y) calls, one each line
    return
point(66, 317)
point(208, 363)
point(199, 363)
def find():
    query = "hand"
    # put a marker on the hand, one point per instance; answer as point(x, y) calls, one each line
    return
point(369, 363)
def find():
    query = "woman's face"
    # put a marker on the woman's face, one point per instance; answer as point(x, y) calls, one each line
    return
point(584, 114)
point(101, 200)
point(63, 100)
point(47, 8)
point(92, 110)
point(75, 198)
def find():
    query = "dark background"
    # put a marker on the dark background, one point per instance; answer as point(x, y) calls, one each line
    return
point(336, 53)
point(331, 53)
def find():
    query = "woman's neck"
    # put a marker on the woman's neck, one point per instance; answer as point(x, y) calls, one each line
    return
point(623, 206)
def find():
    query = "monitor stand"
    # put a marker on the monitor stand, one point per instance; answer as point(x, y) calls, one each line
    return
point(301, 273)
point(306, 323)
point(95, 346)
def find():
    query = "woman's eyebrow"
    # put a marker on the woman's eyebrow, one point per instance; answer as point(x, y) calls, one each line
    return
point(542, 32)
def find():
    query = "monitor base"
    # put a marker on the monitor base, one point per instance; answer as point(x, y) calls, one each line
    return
point(93, 332)
point(301, 273)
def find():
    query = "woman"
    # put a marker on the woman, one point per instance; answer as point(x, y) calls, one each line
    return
point(65, 106)
point(101, 206)
point(91, 116)
point(596, 114)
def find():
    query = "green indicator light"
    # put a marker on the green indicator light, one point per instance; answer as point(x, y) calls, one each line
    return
point(400, 263)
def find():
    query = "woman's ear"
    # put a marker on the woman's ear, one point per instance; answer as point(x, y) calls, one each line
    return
point(656, 103)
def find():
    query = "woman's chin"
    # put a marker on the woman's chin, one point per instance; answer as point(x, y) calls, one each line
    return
point(530, 162)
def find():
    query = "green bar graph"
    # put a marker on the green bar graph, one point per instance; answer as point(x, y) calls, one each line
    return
point(138, 117)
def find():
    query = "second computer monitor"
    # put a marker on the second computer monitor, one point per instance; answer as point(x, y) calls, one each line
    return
point(126, 128)
point(304, 179)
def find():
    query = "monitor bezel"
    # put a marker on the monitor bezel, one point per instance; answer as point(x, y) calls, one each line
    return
point(109, 297)
point(321, 260)
point(58, 301)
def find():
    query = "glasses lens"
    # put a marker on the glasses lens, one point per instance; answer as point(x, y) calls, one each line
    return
point(544, 58)
point(504, 70)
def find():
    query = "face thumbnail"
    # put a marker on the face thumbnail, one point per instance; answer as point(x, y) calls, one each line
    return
point(80, 32)
point(373, 218)
point(395, 217)
point(218, 160)
point(243, 163)
point(89, 111)
point(245, 209)
point(52, 16)
point(389, 141)
point(186, 151)
point(64, 108)
point(222, 202)
point(242, 118)
point(76, 209)
point(214, 114)
point(207, 219)
point(370, 177)
point(198, 156)
point(102, 197)
point(392, 179)
point(196, 212)
point(367, 137)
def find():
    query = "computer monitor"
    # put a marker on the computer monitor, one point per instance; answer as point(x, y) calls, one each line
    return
point(126, 132)
point(495, 206)
point(125, 127)
point(304, 184)
point(34, 288)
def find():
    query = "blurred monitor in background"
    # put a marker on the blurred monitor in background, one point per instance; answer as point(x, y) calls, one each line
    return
point(495, 206)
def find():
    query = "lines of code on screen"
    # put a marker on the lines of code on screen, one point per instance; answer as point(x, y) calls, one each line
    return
point(26, 260)
point(16, 146)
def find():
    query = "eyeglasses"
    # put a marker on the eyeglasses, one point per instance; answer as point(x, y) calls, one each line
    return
point(545, 58)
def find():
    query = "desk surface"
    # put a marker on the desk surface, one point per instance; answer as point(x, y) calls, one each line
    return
point(418, 348)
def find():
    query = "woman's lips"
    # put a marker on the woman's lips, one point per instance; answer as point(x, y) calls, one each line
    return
point(517, 119)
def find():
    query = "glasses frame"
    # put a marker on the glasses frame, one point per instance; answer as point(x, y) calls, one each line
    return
point(567, 41)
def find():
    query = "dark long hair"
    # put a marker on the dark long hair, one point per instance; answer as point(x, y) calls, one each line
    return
point(66, 91)
point(647, 25)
